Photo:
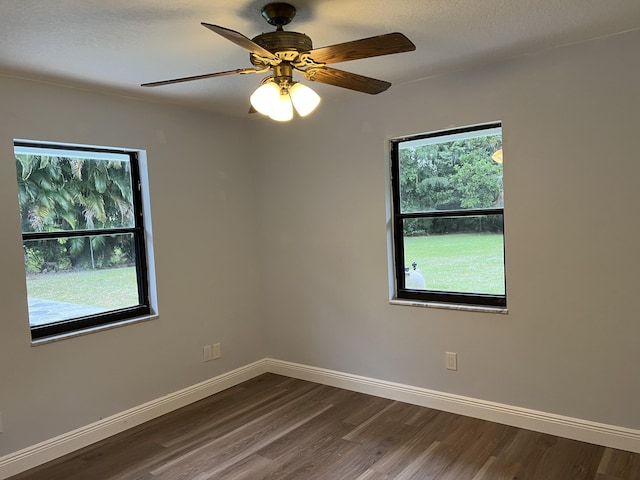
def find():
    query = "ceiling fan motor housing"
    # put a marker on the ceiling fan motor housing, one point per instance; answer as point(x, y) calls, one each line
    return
point(281, 41)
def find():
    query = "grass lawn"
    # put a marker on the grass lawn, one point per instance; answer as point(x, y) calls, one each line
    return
point(109, 288)
point(472, 262)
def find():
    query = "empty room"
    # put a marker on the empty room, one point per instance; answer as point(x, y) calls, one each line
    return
point(319, 240)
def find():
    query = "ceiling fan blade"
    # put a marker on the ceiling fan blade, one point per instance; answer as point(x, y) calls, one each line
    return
point(364, 48)
point(196, 77)
point(352, 81)
point(240, 40)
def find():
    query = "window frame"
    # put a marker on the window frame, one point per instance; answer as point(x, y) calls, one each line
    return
point(397, 235)
point(143, 309)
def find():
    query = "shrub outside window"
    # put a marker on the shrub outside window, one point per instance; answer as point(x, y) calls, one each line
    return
point(83, 236)
point(448, 227)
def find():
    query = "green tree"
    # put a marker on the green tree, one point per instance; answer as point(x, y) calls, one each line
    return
point(63, 193)
point(451, 175)
point(477, 183)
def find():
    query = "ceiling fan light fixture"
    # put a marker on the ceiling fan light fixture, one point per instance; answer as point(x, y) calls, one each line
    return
point(282, 110)
point(277, 102)
point(304, 99)
point(265, 98)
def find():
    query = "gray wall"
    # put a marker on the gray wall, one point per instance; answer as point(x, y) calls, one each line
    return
point(202, 190)
point(569, 344)
point(305, 228)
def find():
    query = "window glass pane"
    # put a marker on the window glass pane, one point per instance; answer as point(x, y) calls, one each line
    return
point(61, 192)
point(451, 172)
point(455, 254)
point(73, 277)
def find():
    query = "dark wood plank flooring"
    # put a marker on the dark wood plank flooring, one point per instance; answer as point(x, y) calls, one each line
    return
point(278, 428)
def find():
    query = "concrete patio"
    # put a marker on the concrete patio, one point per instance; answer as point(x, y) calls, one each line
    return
point(42, 312)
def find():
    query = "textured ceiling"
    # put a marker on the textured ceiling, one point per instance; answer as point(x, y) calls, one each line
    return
point(114, 45)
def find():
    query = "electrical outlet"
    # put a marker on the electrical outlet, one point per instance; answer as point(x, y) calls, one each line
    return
point(207, 353)
point(451, 360)
point(216, 351)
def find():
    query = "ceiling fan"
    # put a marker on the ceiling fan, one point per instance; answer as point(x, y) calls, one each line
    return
point(283, 52)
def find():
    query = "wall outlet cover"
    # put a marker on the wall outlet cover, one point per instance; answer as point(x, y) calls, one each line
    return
point(207, 353)
point(451, 360)
point(216, 351)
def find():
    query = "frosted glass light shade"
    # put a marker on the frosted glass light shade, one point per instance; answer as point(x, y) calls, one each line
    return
point(304, 99)
point(282, 110)
point(265, 98)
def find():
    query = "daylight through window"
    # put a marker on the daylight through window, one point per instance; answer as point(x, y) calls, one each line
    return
point(83, 236)
point(448, 230)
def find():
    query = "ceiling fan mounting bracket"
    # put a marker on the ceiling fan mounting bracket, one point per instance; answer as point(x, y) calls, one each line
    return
point(278, 14)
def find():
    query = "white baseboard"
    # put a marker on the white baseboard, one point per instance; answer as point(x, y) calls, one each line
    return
point(43, 452)
point(568, 427)
point(574, 428)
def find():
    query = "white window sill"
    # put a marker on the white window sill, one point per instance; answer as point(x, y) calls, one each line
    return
point(448, 306)
point(64, 336)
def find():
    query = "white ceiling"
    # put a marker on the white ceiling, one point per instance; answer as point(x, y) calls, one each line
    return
point(114, 45)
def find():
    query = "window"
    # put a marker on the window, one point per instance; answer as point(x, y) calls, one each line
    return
point(83, 236)
point(448, 201)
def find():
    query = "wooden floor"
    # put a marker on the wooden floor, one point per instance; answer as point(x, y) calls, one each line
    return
point(278, 428)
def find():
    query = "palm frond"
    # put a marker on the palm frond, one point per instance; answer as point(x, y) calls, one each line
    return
point(76, 245)
point(76, 167)
point(100, 179)
point(27, 163)
point(70, 219)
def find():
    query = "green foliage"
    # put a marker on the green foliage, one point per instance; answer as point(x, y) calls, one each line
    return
point(449, 176)
point(47, 255)
point(477, 184)
point(64, 262)
point(62, 194)
point(71, 193)
point(33, 260)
